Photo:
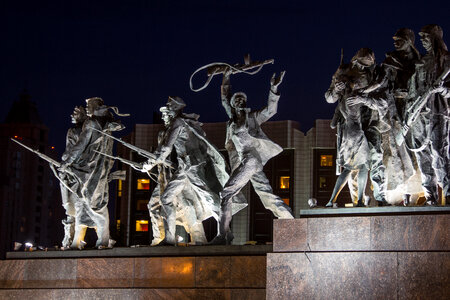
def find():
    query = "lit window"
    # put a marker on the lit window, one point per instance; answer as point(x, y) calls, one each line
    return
point(143, 184)
point(286, 200)
point(322, 182)
point(119, 189)
point(118, 225)
point(284, 182)
point(142, 225)
point(326, 160)
point(141, 204)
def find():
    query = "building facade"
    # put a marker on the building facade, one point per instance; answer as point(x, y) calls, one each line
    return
point(30, 205)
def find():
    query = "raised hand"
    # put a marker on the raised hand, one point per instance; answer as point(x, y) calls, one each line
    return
point(276, 80)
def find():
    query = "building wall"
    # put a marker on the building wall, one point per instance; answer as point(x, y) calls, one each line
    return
point(31, 203)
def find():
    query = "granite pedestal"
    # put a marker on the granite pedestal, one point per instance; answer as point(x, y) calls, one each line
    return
point(196, 272)
point(370, 254)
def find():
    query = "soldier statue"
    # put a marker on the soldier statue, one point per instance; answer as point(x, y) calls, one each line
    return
point(92, 169)
point(427, 116)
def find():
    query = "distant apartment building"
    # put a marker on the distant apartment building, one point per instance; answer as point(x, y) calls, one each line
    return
point(30, 202)
point(306, 168)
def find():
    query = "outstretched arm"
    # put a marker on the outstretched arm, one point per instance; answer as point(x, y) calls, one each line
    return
point(267, 112)
point(226, 93)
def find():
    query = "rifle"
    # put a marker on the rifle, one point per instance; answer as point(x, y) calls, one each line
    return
point(134, 165)
point(51, 161)
point(413, 111)
point(138, 150)
point(220, 68)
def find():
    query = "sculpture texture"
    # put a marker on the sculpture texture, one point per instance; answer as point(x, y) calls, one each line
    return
point(191, 195)
point(358, 118)
point(92, 170)
point(428, 94)
point(69, 198)
point(249, 149)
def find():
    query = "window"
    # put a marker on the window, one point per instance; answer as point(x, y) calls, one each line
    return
point(286, 200)
point(141, 225)
point(141, 204)
point(284, 182)
point(119, 188)
point(322, 182)
point(143, 184)
point(118, 225)
point(326, 160)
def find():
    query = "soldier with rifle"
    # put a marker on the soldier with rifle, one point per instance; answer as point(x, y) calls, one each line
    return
point(427, 115)
point(92, 171)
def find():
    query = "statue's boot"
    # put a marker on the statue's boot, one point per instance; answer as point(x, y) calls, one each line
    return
point(329, 204)
point(197, 233)
point(78, 238)
point(360, 203)
point(222, 239)
point(69, 232)
point(102, 230)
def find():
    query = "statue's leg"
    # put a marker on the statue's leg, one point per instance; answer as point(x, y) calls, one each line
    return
point(69, 231)
point(429, 182)
point(154, 209)
point(173, 189)
point(101, 220)
point(80, 232)
point(238, 179)
point(377, 168)
point(197, 232)
point(362, 182)
point(352, 183)
point(439, 152)
point(270, 201)
point(340, 183)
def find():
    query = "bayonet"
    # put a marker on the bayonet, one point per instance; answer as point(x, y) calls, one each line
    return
point(51, 161)
point(138, 150)
point(134, 165)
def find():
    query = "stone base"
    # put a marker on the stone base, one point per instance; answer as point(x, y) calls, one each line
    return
point(175, 277)
point(364, 257)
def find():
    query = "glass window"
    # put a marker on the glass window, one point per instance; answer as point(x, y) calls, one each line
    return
point(141, 225)
point(326, 160)
point(322, 182)
point(118, 225)
point(119, 188)
point(141, 204)
point(286, 200)
point(284, 182)
point(143, 184)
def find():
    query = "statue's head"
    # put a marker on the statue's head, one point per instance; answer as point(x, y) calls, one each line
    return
point(364, 58)
point(79, 115)
point(238, 100)
point(431, 37)
point(174, 106)
point(92, 104)
point(404, 39)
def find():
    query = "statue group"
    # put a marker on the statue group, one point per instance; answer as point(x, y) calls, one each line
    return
point(197, 185)
point(392, 121)
point(392, 124)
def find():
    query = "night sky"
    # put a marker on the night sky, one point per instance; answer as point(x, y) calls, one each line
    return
point(134, 54)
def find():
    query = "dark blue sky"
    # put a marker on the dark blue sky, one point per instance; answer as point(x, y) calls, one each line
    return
point(134, 54)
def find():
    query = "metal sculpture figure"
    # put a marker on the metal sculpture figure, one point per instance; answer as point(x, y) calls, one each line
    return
point(92, 170)
point(357, 117)
point(427, 115)
point(249, 149)
point(191, 195)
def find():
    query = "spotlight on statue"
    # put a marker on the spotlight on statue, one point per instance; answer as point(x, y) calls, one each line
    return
point(28, 246)
point(17, 246)
point(312, 202)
